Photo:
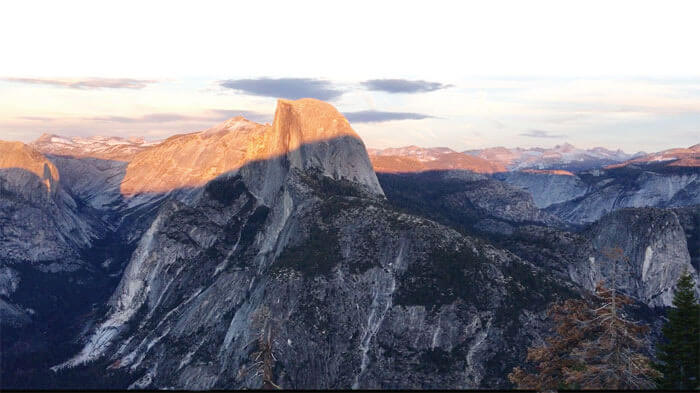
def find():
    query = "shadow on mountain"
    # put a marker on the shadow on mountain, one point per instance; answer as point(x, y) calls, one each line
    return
point(66, 294)
point(473, 203)
point(213, 229)
point(60, 260)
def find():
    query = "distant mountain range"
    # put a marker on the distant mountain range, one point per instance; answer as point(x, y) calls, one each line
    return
point(563, 158)
point(566, 156)
point(417, 159)
point(106, 147)
point(681, 157)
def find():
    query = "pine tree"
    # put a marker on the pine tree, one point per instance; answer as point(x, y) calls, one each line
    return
point(611, 358)
point(679, 355)
point(594, 345)
point(554, 356)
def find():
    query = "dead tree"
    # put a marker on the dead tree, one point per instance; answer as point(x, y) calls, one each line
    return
point(264, 357)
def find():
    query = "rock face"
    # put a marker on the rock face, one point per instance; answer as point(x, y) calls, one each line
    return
point(464, 199)
point(584, 198)
point(356, 293)
point(27, 166)
point(40, 220)
point(654, 241)
point(57, 259)
point(639, 189)
point(168, 260)
point(547, 188)
point(655, 244)
point(660, 243)
point(191, 160)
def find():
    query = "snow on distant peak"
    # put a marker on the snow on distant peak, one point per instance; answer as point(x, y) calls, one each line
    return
point(97, 146)
point(564, 156)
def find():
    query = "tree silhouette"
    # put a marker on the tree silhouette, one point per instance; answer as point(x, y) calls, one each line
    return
point(679, 355)
point(263, 358)
point(551, 359)
point(611, 357)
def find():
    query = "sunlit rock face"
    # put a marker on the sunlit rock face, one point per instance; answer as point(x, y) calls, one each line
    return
point(359, 294)
point(40, 219)
point(191, 160)
point(23, 166)
point(680, 157)
point(194, 236)
point(43, 231)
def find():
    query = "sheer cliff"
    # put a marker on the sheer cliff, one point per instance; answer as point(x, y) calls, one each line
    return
point(357, 293)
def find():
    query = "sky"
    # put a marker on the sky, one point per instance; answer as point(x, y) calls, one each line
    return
point(465, 75)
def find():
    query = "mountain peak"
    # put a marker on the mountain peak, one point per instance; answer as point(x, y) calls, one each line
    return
point(312, 133)
point(231, 125)
point(308, 120)
point(305, 133)
point(17, 155)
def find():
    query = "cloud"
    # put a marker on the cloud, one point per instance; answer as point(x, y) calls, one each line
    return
point(290, 88)
point(37, 118)
point(403, 85)
point(89, 83)
point(378, 116)
point(540, 134)
point(210, 115)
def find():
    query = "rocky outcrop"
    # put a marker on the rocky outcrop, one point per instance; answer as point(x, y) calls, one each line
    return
point(689, 218)
point(40, 221)
point(585, 197)
point(191, 160)
point(206, 239)
point(93, 181)
point(27, 166)
point(356, 293)
point(465, 200)
point(342, 278)
point(654, 244)
point(547, 188)
point(630, 188)
point(50, 274)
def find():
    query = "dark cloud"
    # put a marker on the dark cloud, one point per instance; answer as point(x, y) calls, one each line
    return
point(378, 117)
point(290, 88)
point(210, 115)
point(403, 85)
point(89, 83)
point(540, 134)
